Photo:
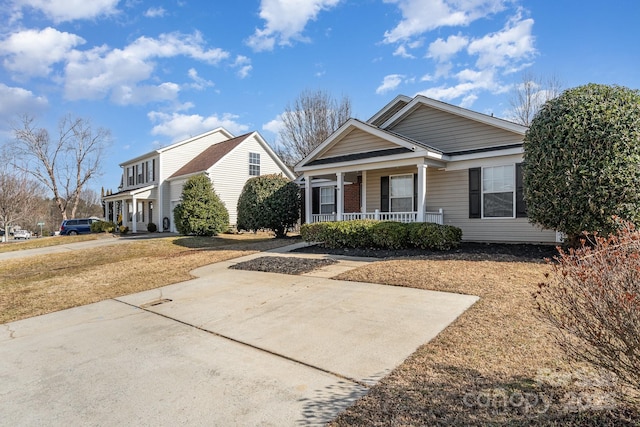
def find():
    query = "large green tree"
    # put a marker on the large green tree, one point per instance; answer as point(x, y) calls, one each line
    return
point(271, 202)
point(582, 157)
point(200, 212)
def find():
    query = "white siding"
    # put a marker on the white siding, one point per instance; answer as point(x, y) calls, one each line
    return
point(138, 162)
point(174, 158)
point(450, 133)
point(357, 141)
point(232, 171)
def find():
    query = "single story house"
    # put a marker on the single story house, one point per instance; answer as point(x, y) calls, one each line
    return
point(151, 185)
point(418, 159)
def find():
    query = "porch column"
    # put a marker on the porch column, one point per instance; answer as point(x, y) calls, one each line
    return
point(340, 196)
point(308, 199)
point(106, 210)
point(422, 191)
point(363, 193)
point(134, 220)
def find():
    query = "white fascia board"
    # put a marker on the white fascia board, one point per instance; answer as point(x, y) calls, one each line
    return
point(383, 163)
point(222, 130)
point(393, 102)
point(458, 111)
point(185, 176)
point(485, 154)
point(148, 156)
point(348, 126)
point(493, 160)
point(289, 174)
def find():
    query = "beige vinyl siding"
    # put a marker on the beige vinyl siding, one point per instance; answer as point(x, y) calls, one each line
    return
point(450, 133)
point(373, 184)
point(176, 157)
point(232, 171)
point(357, 141)
point(450, 191)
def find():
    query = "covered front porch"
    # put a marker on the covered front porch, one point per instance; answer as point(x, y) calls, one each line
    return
point(389, 191)
point(135, 208)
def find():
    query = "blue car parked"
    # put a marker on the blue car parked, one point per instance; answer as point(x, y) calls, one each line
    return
point(71, 227)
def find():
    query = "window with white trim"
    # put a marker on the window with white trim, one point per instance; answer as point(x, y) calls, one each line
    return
point(327, 200)
point(401, 193)
point(498, 191)
point(140, 212)
point(130, 175)
point(254, 164)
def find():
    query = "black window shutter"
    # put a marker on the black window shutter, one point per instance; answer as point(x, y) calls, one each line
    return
point(474, 193)
point(384, 194)
point(315, 200)
point(335, 199)
point(521, 205)
point(415, 192)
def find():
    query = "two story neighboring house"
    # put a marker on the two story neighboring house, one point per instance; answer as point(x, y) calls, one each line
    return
point(152, 183)
point(419, 159)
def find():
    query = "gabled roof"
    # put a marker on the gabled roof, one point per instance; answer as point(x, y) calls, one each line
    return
point(458, 111)
point(209, 157)
point(177, 144)
point(389, 110)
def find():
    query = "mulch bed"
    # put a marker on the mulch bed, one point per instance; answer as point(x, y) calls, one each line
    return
point(283, 265)
point(466, 251)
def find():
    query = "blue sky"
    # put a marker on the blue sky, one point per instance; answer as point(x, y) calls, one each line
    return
point(158, 72)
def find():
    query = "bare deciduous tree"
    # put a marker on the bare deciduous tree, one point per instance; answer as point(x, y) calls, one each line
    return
point(19, 198)
point(65, 164)
point(309, 120)
point(530, 94)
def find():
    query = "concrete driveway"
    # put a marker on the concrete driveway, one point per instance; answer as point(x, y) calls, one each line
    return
point(228, 348)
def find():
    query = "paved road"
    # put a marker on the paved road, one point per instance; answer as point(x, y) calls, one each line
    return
point(228, 348)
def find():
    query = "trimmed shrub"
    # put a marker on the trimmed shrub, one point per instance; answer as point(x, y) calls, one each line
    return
point(200, 212)
point(581, 156)
point(382, 234)
point(269, 202)
point(390, 235)
point(426, 235)
point(152, 228)
point(124, 229)
point(103, 226)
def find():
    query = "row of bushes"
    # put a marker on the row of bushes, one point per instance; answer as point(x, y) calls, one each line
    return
point(111, 227)
point(382, 234)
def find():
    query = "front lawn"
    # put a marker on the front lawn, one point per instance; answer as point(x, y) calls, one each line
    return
point(494, 366)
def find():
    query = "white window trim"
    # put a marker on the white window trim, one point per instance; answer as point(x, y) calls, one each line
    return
point(333, 197)
point(253, 163)
point(513, 210)
point(413, 190)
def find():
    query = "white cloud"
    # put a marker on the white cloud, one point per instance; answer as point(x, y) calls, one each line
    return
point(420, 16)
point(98, 72)
point(180, 126)
point(69, 10)
point(402, 52)
point(16, 100)
point(199, 83)
point(512, 44)
point(142, 94)
point(389, 83)
point(285, 20)
point(470, 82)
point(274, 126)
point(155, 12)
point(33, 52)
point(442, 50)
point(243, 64)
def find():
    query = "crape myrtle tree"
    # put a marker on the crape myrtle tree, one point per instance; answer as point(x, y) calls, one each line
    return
point(581, 160)
point(269, 202)
point(530, 94)
point(200, 211)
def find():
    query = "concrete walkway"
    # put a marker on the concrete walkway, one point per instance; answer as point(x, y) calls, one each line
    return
point(231, 347)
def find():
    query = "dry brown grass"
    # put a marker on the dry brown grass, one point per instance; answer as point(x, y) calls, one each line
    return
point(497, 349)
point(47, 283)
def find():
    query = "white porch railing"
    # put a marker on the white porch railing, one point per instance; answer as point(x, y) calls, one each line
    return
point(437, 217)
